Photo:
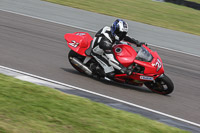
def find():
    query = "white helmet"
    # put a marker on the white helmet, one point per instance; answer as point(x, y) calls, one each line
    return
point(119, 29)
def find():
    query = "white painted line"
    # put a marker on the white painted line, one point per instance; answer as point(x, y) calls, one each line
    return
point(47, 20)
point(40, 82)
point(98, 94)
point(174, 50)
point(89, 30)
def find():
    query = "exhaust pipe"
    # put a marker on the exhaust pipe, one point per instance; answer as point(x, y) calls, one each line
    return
point(79, 64)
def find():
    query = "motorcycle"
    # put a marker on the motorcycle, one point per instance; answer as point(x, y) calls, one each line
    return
point(147, 67)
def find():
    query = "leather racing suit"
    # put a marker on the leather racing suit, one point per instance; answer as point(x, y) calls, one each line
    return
point(102, 51)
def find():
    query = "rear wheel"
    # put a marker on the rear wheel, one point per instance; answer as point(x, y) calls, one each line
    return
point(162, 85)
point(79, 57)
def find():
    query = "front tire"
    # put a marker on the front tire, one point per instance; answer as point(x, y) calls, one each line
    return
point(162, 85)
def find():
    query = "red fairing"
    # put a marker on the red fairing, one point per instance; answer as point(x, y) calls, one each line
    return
point(158, 64)
point(125, 54)
point(155, 67)
point(78, 41)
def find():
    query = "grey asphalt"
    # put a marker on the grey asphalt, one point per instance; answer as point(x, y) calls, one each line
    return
point(38, 47)
point(155, 35)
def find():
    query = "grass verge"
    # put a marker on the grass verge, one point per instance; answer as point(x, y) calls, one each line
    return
point(197, 1)
point(26, 107)
point(160, 14)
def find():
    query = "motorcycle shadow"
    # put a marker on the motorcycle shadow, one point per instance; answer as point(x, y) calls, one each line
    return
point(125, 86)
point(112, 83)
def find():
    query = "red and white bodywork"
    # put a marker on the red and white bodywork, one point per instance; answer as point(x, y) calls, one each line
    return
point(147, 64)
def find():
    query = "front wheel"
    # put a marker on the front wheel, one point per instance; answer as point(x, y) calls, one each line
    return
point(162, 85)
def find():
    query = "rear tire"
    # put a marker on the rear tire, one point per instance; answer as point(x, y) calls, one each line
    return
point(163, 85)
point(80, 57)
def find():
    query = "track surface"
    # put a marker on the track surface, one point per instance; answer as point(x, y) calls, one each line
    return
point(93, 21)
point(38, 47)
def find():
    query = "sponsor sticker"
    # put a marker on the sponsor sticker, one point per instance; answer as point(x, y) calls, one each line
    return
point(146, 78)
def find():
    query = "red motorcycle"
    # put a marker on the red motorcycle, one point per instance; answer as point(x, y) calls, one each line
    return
point(146, 64)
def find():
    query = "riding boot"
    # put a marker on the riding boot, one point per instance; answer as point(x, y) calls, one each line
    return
point(96, 70)
point(110, 75)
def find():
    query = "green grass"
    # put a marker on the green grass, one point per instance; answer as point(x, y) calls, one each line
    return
point(160, 14)
point(197, 1)
point(26, 107)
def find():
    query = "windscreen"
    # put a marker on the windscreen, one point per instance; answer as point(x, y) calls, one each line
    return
point(144, 55)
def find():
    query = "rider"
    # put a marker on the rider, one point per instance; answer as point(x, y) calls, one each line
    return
point(102, 47)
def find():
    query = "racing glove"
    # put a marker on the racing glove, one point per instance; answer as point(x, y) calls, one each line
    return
point(139, 44)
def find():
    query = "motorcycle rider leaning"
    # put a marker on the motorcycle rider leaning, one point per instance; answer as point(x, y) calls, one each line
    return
point(102, 47)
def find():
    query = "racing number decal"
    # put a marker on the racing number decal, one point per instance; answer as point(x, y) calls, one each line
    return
point(158, 64)
point(74, 44)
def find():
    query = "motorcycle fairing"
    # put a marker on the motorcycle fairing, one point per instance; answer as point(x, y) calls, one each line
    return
point(155, 66)
point(152, 69)
point(158, 63)
point(78, 42)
